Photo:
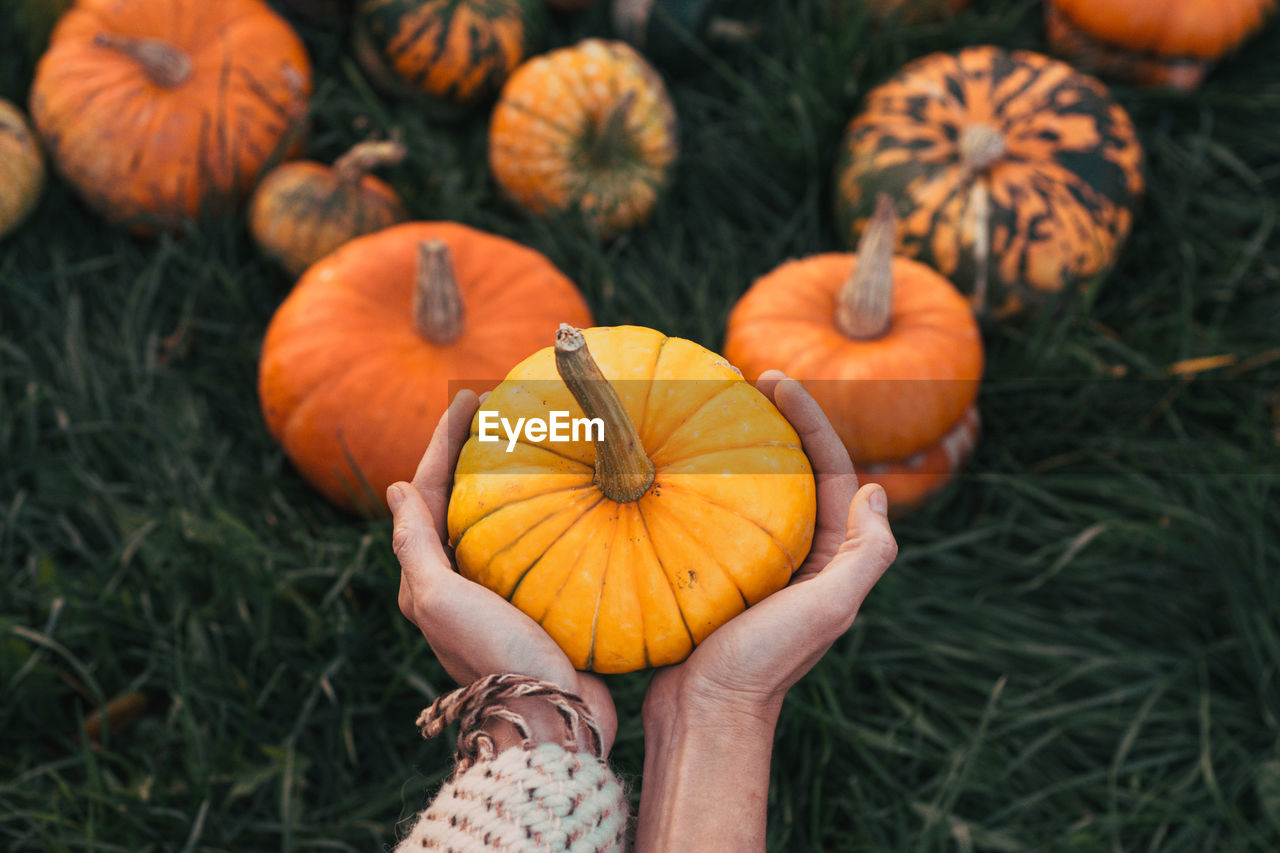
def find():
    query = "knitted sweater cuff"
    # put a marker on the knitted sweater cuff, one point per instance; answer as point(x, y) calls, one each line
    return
point(538, 798)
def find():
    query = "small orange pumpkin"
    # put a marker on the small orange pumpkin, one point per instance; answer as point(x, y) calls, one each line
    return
point(160, 111)
point(455, 53)
point(303, 210)
point(1016, 176)
point(888, 348)
point(588, 128)
point(697, 502)
point(1171, 43)
point(909, 483)
point(21, 168)
point(361, 359)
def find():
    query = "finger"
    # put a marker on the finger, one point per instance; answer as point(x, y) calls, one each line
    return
point(767, 383)
point(416, 545)
point(869, 547)
point(821, 444)
point(435, 471)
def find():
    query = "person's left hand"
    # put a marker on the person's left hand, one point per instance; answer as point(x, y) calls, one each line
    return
point(472, 630)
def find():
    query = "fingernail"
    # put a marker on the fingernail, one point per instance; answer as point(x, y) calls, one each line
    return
point(395, 497)
point(879, 500)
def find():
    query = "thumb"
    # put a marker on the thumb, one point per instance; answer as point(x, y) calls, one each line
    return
point(414, 538)
point(869, 547)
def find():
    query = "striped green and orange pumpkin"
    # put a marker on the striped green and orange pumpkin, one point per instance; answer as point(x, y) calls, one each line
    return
point(1015, 175)
point(454, 52)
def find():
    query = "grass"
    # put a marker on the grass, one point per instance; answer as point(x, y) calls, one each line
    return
point(1077, 649)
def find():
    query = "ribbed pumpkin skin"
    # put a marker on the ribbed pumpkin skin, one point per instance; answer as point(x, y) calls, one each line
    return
point(302, 211)
point(345, 379)
point(153, 157)
point(622, 586)
point(1170, 43)
point(887, 398)
point(1060, 200)
point(550, 114)
point(21, 168)
point(455, 51)
point(909, 483)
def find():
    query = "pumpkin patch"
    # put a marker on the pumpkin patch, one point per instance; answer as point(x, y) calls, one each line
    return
point(1016, 176)
point(362, 357)
point(698, 503)
point(160, 112)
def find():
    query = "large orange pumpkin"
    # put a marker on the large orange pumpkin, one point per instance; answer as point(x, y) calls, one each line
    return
point(587, 129)
point(158, 111)
point(1171, 43)
point(455, 53)
point(21, 168)
point(361, 359)
point(1016, 176)
point(303, 210)
point(697, 503)
point(886, 345)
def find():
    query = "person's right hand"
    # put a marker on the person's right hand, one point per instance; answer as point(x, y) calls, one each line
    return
point(749, 663)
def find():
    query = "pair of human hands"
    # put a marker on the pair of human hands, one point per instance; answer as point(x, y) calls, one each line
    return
point(745, 666)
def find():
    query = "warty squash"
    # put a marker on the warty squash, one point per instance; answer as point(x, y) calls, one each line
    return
point(160, 111)
point(697, 503)
point(1015, 175)
point(303, 210)
point(361, 359)
point(22, 171)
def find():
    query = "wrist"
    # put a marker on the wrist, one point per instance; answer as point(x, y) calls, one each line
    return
point(701, 707)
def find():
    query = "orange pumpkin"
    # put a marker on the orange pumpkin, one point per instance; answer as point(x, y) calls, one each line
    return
point(361, 359)
point(303, 210)
point(697, 503)
point(909, 483)
point(587, 129)
point(1015, 175)
point(158, 111)
point(21, 168)
point(456, 53)
point(1171, 43)
point(887, 347)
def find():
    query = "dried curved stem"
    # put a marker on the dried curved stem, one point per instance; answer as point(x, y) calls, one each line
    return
point(864, 306)
point(366, 156)
point(624, 472)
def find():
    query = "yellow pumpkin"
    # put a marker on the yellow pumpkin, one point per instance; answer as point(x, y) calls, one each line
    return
point(698, 502)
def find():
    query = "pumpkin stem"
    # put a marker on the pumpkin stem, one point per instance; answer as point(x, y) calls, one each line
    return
point(981, 145)
point(609, 135)
point(981, 205)
point(164, 64)
point(864, 306)
point(437, 304)
point(366, 156)
point(624, 471)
